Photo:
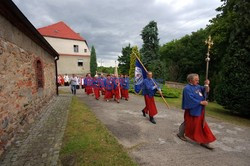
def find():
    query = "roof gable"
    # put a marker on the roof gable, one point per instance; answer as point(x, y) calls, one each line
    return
point(60, 30)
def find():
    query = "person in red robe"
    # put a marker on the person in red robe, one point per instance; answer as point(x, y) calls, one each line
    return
point(62, 80)
point(117, 89)
point(149, 89)
point(109, 86)
point(125, 87)
point(88, 82)
point(59, 80)
point(193, 102)
point(101, 82)
point(96, 87)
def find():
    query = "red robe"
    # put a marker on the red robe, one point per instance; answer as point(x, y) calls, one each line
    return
point(194, 128)
point(125, 93)
point(117, 89)
point(116, 92)
point(109, 87)
point(108, 95)
point(97, 93)
point(88, 82)
point(96, 88)
point(150, 106)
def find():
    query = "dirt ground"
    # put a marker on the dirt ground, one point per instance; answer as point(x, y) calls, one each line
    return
point(156, 145)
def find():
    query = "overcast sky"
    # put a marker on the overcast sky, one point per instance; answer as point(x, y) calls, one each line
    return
point(110, 25)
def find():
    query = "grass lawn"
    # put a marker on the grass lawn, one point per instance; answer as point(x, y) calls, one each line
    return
point(88, 142)
point(214, 110)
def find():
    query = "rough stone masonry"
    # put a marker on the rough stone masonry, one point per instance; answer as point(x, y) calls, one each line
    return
point(21, 97)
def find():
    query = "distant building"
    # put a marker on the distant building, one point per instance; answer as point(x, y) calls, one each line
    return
point(73, 49)
point(27, 72)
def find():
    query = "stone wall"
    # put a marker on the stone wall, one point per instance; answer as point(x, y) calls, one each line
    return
point(20, 97)
point(177, 85)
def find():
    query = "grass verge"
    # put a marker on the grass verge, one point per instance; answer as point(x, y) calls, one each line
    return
point(88, 142)
point(213, 110)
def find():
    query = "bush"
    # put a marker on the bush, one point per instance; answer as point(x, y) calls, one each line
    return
point(167, 92)
point(170, 92)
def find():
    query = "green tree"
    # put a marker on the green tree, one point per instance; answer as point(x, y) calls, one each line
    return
point(124, 60)
point(106, 70)
point(93, 63)
point(135, 53)
point(150, 50)
point(184, 56)
point(234, 89)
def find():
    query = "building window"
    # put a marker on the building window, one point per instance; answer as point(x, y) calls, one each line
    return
point(80, 62)
point(85, 50)
point(76, 48)
point(39, 74)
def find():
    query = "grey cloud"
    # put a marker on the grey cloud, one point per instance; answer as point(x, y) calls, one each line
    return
point(112, 24)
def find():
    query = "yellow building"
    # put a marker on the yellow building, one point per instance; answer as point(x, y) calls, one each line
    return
point(72, 48)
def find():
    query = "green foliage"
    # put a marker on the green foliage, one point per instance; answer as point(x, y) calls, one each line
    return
point(135, 53)
point(170, 92)
point(234, 89)
point(124, 60)
point(184, 56)
point(150, 50)
point(93, 63)
point(107, 70)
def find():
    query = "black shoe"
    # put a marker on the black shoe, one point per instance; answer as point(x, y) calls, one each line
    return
point(143, 112)
point(152, 120)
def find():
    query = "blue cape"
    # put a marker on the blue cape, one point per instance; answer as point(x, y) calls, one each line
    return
point(148, 87)
point(125, 84)
point(192, 96)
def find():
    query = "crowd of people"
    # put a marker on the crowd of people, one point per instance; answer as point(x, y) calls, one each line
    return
point(111, 86)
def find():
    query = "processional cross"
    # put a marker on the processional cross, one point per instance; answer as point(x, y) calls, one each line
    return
point(209, 43)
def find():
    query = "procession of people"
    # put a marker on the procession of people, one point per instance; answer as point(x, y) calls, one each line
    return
point(114, 87)
point(110, 87)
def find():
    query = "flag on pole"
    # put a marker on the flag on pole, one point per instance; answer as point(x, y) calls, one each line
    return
point(140, 75)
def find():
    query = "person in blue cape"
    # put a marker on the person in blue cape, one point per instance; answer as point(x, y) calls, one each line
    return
point(96, 87)
point(109, 87)
point(117, 88)
point(125, 87)
point(88, 83)
point(148, 90)
point(194, 102)
point(101, 80)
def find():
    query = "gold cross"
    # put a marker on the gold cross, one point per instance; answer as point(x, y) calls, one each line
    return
point(209, 42)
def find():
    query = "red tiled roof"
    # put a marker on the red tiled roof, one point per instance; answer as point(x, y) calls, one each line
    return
point(60, 30)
